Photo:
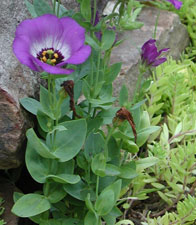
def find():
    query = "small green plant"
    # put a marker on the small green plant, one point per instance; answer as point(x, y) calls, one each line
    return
point(171, 181)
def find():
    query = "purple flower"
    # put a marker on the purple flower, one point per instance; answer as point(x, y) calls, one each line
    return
point(177, 4)
point(47, 43)
point(150, 55)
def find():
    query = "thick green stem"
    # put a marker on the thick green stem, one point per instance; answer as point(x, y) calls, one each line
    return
point(58, 8)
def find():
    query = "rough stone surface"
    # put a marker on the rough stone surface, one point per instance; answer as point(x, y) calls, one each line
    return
point(16, 81)
point(170, 34)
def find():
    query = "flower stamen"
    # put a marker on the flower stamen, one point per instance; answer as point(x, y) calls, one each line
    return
point(50, 56)
point(56, 55)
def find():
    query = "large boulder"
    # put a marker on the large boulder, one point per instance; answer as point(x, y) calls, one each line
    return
point(16, 81)
point(171, 33)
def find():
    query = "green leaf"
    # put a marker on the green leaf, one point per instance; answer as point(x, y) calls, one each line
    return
point(81, 160)
point(92, 42)
point(45, 122)
point(30, 205)
point(105, 202)
point(31, 105)
point(86, 9)
point(144, 133)
point(98, 164)
point(123, 97)
point(108, 115)
point(125, 222)
point(39, 145)
point(42, 7)
point(116, 187)
point(112, 170)
point(108, 39)
point(128, 171)
point(17, 195)
point(165, 198)
point(44, 100)
point(94, 145)
point(37, 166)
point(79, 190)
point(112, 72)
point(91, 218)
point(130, 146)
point(65, 178)
point(93, 124)
point(109, 219)
point(30, 8)
point(114, 152)
point(56, 192)
point(142, 164)
point(89, 204)
point(69, 142)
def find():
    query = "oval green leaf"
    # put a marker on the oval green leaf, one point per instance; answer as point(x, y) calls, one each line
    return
point(30, 205)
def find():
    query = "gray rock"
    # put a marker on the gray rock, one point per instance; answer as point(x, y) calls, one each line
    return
point(16, 81)
point(170, 34)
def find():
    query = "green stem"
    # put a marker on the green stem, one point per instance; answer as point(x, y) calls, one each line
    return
point(49, 89)
point(97, 187)
point(54, 6)
point(94, 112)
point(58, 7)
point(95, 10)
point(138, 83)
point(91, 75)
point(89, 108)
point(156, 24)
point(97, 74)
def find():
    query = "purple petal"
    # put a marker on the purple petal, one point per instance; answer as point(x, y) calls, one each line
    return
point(147, 43)
point(159, 61)
point(40, 28)
point(50, 69)
point(80, 56)
point(73, 34)
point(164, 50)
point(177, 4)
point(21, 50)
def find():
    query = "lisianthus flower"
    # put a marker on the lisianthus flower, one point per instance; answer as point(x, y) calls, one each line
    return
point(47, 43)
point(150, 54)
point(177, 4)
